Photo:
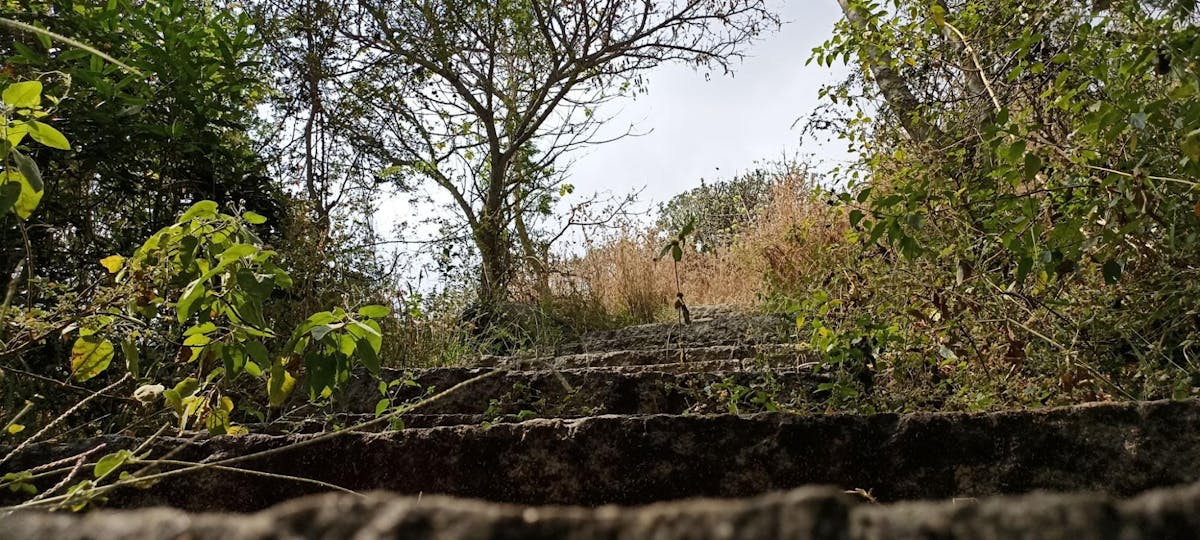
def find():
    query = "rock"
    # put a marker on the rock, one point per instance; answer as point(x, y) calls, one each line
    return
point(809, 513)
point(1119, 449)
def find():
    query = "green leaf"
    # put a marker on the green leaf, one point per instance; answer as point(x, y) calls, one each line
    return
point(368, 330)
point(9, 193)
point(257, 352)
point(187, 387)
point(321, 330)
point(186, 305)
point(48, 136)
point(938, 14)
point(27, 94)
point(1112, 272)
point(368, 354)
point(202, 209)
point(132, 357)
point(254, 218)
point(110, 462)
point(374, 311)
point(234, 358)
point(676, 252)
point(238, 251)
point(1033, 164)
point(855, 217)
point(202, 328)
point(28, 198)
point(29, 169)
point(90, 356)
point(381, 406)
point(1023, 268)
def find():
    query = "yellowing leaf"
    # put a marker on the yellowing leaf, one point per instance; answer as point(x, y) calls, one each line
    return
point(17, 133)
point(14, 429)
point(90, 356)
point(28, 199)
point(26, 94)
point(280, 385)
point(113, 263)
point(938, 14)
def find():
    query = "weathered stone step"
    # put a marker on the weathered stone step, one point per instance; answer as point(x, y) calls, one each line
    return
point(1121, 449)
point(804, 514)
point(764, 354)
point(589, 391)
point(724, 330)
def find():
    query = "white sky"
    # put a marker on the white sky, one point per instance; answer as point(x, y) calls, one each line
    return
point(727, 122)
point(698, 128)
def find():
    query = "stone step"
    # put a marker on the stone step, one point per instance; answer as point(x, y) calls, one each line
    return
point(809, 513)
point(589, 391)
point(720, 330)
point(1121, 449)
point(773, 354)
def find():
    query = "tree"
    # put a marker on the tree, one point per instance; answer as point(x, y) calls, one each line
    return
point(148, 144)
point(484, 99)
point(1041, 157)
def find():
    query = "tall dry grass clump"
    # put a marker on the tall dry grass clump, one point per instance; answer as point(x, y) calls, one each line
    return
point(782, 246)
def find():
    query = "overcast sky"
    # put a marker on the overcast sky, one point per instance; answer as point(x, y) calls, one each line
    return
point(727, 122)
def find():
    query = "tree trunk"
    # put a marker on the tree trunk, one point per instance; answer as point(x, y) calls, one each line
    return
point(891, 84)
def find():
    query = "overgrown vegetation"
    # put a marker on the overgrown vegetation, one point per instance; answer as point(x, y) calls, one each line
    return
point(1019, 228)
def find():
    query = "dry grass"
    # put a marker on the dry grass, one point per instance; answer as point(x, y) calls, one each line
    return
point(789, 244)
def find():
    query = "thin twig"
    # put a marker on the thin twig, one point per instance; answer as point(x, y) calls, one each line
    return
point(383, 420)
point(60, 418)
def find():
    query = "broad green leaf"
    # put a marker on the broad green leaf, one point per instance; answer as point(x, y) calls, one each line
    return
point(9, 193)
point(368, 330)
point(110, 462)
point(234, 358)
point(257, 352)
point(132, 357)
point(676, 252)
point(320, 331)
point(27, 94)
point(202, 328)
point(855, 217)
point(29, 169)
point(1033, 164)
point(367, 353)
point(187, 387)
point(374, 311)
point(186, 305)
point(90, 356)
point(202, 209)
point(254, 218)
point(381, 406)
point(1112, 272)
point(48, 136)
point(238, 251)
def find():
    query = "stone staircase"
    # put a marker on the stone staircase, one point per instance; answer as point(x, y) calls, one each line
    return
point(652, 417)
